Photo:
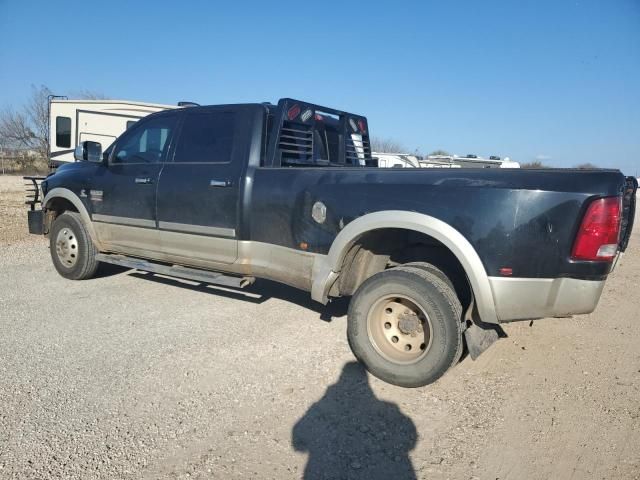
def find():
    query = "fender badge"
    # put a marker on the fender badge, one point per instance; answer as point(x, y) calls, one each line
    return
point(96, 195)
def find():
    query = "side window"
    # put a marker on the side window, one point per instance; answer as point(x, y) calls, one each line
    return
point(63, 132)
point(147, 143)
point(206, 137)
point(131, 123)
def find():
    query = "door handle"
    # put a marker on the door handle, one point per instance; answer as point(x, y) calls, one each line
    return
point(219, 183)
point(143, 181)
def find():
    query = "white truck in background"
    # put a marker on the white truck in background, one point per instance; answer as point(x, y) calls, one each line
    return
point(74, 121)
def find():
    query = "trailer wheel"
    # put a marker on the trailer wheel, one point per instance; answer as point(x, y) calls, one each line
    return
point(72, 251)
point(404, 325)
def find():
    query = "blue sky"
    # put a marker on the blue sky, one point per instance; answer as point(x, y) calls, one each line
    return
point(553, 80)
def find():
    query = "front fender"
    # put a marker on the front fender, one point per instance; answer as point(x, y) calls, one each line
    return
point(327, 268)
point(67, 194)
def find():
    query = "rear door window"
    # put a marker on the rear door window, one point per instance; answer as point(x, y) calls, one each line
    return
point(206, 137)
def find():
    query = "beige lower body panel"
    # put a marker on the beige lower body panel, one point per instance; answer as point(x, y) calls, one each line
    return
point(263, 260)
point(135, 240)
point(199, 248)
point(530, 298)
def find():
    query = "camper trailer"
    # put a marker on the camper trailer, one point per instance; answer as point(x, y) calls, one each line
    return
point(468, 161)
point(102, 121)
point(397, 160)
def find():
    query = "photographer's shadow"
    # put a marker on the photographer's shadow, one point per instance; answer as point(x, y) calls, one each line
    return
point(349, 433)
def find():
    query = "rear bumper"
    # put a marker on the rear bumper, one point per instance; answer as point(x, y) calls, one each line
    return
point(530, 298)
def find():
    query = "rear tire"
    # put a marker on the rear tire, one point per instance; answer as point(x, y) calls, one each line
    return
point(404, 325)
point(72, 251)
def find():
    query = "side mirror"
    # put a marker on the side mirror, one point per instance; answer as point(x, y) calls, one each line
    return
point(88, 152)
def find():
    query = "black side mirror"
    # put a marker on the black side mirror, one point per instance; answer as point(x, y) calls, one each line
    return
point(88, 152)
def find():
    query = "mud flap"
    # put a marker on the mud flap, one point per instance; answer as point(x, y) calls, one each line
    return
point(479, 336)
point(35, 219)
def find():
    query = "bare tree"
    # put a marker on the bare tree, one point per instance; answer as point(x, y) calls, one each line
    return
point(91, 95)
point(586, 166)
point(28, 128)
point(386, 145)
point(440, 152)
point(535, 164)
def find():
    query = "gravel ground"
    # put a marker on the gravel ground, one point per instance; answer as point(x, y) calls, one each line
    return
point(132, 376)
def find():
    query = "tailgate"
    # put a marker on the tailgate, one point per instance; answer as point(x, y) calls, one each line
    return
point(628, 211)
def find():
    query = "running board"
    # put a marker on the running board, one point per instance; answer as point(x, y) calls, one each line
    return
point(178, 271)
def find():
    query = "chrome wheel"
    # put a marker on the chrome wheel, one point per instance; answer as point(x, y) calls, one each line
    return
point(399, 329)
point(67, 247)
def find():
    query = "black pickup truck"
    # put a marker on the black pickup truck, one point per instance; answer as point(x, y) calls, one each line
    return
point(290, 192)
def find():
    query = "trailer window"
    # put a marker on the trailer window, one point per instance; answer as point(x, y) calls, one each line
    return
point(206, 138)
point(63, 132)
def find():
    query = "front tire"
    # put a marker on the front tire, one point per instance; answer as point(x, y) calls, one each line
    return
point(72, 251)
point(404, 325)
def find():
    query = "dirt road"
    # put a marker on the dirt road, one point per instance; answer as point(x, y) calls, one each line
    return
point(136, 376)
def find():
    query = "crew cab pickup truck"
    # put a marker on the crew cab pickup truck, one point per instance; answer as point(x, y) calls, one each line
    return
point(431, 258)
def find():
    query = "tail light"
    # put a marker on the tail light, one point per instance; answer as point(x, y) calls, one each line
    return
point(599, 233)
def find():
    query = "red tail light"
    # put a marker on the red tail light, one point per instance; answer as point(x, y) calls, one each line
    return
point(599, 232)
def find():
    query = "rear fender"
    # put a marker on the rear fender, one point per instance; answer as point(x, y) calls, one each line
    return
point(327, 269)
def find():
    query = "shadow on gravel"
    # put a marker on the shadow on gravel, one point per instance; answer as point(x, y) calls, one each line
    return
point(108, 269)
point(349, 433)
point(259, 292)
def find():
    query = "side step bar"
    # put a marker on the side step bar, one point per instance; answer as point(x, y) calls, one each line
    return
point(178, 271)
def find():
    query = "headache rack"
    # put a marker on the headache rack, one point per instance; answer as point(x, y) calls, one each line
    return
point(303, 134)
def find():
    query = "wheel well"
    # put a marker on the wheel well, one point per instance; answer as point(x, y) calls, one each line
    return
point(377, 250)
point(55, 207)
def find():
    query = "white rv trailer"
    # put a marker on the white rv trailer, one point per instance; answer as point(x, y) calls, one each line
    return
point(396, 160)
point(102, 121)
point(469, 161)
point(403, 160)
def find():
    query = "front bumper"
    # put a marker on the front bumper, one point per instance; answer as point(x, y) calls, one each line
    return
point(530, 298)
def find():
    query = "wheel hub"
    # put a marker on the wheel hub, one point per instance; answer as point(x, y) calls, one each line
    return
point(67, 247)
point(399, 329)
point(409, 323)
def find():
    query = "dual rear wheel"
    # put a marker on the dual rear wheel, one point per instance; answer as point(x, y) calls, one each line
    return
point(405, 325)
